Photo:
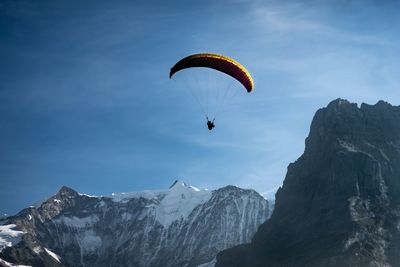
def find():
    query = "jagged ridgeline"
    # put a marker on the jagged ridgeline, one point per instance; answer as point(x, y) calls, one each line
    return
point(180, 226)
point(340, 201)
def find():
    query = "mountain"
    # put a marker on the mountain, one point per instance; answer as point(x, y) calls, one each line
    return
point(340, 201)
point(180, 226)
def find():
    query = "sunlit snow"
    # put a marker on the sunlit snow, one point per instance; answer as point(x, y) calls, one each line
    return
point(8, 264)
point(179, 202)
point(176, 202)
point(53, 255)
point(8, 236)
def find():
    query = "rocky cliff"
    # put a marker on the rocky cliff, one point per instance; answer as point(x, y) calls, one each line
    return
point(340, 201)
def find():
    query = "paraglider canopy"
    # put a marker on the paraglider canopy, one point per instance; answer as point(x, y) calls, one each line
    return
point(202, 94)
point(218, 62)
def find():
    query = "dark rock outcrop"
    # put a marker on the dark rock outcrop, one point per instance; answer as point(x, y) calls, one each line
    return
point(340, 201)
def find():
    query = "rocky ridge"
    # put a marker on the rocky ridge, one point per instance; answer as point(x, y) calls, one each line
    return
point(340, 201)
point(180, 226)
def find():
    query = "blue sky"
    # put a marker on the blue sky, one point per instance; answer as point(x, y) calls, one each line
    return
point(86, 101)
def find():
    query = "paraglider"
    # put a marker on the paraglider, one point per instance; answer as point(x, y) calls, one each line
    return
point(217, 62)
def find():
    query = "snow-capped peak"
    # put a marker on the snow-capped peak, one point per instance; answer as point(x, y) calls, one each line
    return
point(149, 194)
point(180, 185)
point(177, 183)
point(179, 202)
point(175, 203)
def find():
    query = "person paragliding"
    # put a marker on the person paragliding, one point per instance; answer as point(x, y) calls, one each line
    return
point(219, 63)
point(210, 124)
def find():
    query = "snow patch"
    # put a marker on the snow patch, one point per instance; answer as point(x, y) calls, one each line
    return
point(86, 195)
point(57, 200)
point(195, 188)
point(37, 250)
point(8, 264)
point(8, 236)
point(349, 147)
point(359, 210)
point(352, 240)
point(53, 255)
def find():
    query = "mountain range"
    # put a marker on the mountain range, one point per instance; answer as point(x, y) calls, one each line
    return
point(179, 226)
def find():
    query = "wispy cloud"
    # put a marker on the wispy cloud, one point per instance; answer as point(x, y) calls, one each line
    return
point(306, 19)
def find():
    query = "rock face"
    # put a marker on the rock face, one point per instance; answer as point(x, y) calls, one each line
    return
point(181, 226)
point(340, 201)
